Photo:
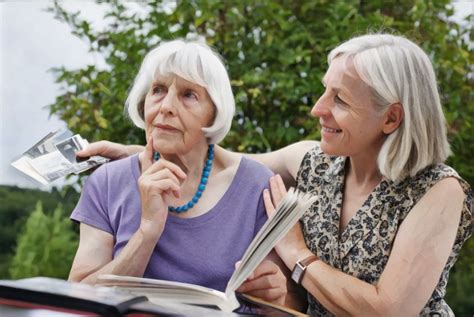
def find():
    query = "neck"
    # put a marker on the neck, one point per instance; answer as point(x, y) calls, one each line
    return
point(191, 163)
point(363, 170)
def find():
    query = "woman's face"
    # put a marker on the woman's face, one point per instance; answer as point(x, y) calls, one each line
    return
point(175, 112)
point(350, 125)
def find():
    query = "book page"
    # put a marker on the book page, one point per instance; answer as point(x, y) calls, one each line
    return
point(160, 291)
point(288, 212)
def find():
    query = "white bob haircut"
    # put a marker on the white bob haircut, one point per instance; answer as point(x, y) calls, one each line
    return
point(399, 71)
point(195, 62)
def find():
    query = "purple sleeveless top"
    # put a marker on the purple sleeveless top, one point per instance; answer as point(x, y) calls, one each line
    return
point(201, 250)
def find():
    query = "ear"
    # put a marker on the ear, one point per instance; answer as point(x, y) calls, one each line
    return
point(392, 118)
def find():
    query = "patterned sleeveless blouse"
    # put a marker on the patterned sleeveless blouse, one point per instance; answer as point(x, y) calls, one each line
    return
point(364, 246)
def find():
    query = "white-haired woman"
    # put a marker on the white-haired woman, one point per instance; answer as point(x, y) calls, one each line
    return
point(176, 211)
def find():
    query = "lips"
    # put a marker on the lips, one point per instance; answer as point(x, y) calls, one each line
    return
point(166, 127)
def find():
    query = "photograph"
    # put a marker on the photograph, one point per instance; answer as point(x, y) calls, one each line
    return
point(68, 148)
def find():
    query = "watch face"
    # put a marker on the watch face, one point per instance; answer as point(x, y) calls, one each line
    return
point(296, 274)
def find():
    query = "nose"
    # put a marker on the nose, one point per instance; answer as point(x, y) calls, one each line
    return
point(322, 107)
point(168, 103)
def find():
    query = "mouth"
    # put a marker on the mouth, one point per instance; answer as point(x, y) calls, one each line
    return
point(330, 130)
point(166, 128)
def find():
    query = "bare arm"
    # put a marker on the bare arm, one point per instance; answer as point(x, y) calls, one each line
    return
point(110, 150)
point(94, 255)
point(419, 254)
point(157, 182)
point(285, 161)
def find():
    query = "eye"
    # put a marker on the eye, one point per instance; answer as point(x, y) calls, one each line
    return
point(339, 101)
point(158, 90)
point(189, 94)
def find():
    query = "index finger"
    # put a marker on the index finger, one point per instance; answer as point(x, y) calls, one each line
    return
point(265, 268)
point(147, 157)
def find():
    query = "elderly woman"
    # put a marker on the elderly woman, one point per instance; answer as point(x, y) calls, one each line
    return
point(391, 217)
point(175, 211)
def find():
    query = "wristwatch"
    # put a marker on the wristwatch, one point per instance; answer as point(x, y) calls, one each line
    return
point(300, 268)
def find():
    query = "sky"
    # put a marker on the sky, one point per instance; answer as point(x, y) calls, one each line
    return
point(31, 43)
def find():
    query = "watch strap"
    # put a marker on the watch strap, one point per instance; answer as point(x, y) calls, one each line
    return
point(300, 268)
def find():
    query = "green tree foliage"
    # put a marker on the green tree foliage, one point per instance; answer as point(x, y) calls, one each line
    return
point(275, 52)
point(16, 204)
point(276, 55)
point(46, 247)
point(460, 294)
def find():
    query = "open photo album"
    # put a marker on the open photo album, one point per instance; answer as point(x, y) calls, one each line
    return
point(54, 156)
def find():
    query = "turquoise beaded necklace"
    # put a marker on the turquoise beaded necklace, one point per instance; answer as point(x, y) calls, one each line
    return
point(202, 185)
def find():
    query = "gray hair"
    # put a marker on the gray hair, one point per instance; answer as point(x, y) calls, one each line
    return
point(195, 62)
point(399, 71)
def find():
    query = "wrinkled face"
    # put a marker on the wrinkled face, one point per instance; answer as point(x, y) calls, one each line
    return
point(175, 112)
point(350, 125)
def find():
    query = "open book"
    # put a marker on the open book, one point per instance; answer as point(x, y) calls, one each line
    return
point(54, 156)
point(288, 212)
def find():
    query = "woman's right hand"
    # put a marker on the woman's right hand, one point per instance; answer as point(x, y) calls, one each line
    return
point(158, 181)
point(111, 150)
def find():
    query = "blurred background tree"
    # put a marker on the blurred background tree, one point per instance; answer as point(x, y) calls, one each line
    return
point(16, 206)
point(46, 246)
point(275, 52)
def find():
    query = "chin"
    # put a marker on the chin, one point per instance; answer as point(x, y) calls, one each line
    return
point(164, 146)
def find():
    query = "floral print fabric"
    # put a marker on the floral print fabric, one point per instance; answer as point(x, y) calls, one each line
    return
point(363, 248)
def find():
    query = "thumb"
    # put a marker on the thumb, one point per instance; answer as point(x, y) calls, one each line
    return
point(237, 264)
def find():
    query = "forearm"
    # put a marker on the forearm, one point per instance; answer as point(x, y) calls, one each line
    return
point(285, 161)
point(340, 293)
point(132, 261)
point(343, 294)
point(134, 149)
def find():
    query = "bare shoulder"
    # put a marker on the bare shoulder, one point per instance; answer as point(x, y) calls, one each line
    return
point(442, 201)
point(226, 162)
point(448, 188)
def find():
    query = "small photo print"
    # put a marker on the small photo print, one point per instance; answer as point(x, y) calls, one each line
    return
point(68, 149)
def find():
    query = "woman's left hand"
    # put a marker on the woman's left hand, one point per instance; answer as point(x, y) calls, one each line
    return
point(292, 247)
point(267, 282)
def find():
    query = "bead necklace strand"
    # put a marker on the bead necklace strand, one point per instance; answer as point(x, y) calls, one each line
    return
point(202, 185)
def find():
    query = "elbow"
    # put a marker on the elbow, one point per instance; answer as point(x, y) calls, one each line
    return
point(384, 305)
point(73, 278)
point(79, 277)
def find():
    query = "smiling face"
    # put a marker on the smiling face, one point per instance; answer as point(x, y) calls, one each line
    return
point(350, 124)
point(175, 112)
